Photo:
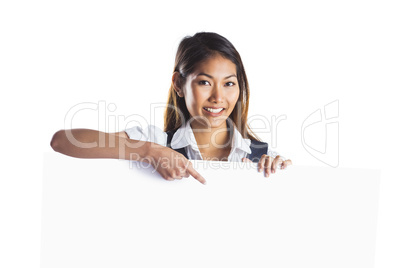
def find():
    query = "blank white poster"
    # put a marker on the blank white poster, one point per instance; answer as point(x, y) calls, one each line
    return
point(118, 213)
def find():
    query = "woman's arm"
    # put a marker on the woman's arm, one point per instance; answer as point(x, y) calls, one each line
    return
point(88, 143)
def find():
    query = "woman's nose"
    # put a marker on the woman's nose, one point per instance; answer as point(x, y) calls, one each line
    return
point(217, 94)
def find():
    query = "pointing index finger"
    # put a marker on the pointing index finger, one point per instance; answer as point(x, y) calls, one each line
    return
point(196, 175)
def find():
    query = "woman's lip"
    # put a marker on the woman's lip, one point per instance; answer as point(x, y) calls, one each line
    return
point(213, 114)
point(215, 107)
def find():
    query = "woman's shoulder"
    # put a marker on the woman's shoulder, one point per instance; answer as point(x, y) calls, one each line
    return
point(150, 133)
point(257, 142)
point(258, 146)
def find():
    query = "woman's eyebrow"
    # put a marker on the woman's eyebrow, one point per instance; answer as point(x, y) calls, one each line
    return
point(210, 76)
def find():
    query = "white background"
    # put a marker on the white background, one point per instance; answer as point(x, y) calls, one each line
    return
point(299, 56)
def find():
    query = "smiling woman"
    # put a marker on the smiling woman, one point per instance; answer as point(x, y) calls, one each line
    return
point(205, 118)
point(208, 93)
point(211, 96)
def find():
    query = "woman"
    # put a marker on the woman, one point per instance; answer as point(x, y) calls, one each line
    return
point(205, 119)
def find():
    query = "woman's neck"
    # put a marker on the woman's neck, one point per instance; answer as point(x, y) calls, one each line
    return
point(212, 139)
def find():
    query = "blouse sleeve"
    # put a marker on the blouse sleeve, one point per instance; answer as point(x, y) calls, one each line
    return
point(150, 133)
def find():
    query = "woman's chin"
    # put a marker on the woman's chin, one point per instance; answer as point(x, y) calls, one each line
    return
point(217, 122)
point(211, 121)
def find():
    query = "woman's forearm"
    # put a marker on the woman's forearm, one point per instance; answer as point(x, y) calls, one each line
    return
point(88, 143)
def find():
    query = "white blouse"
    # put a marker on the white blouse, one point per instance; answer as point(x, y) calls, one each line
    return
point(184, 137)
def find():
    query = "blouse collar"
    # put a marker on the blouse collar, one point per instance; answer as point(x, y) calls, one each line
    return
point(184, 137)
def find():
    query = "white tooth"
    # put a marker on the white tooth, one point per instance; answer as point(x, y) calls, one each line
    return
point(214, 110)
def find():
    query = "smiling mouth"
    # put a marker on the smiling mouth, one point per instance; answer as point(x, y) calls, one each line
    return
point(215, 111)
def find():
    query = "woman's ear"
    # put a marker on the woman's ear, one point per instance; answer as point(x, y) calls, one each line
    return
point(177, 84)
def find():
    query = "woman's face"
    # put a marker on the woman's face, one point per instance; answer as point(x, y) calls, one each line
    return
point(211, 92)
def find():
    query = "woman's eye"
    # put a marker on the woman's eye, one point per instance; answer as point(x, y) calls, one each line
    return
point(203, 82)
point(232, 84)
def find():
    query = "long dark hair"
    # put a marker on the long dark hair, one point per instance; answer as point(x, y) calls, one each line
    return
point(193, 50)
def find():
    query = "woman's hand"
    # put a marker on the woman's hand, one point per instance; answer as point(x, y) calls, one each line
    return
point(268, 164)
point(170, 164)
